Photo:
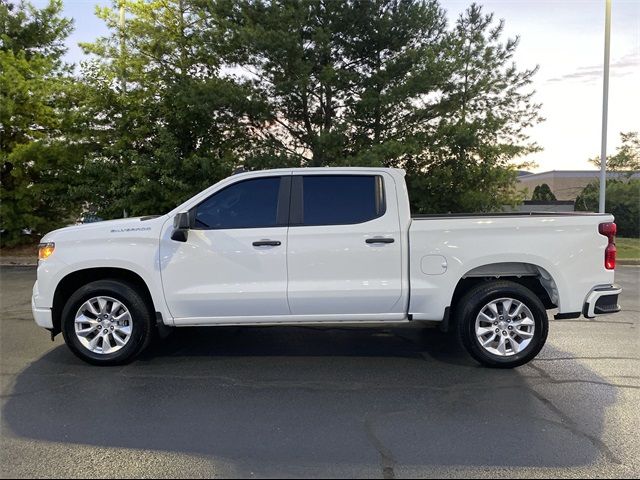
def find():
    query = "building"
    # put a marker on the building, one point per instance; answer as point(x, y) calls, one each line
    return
point(565, 184)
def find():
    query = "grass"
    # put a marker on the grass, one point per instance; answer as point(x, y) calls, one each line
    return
point(628, 248)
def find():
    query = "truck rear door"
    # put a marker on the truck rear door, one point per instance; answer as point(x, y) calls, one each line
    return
point(344, 248)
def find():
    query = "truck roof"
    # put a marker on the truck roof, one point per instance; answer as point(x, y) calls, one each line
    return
point(393, 171)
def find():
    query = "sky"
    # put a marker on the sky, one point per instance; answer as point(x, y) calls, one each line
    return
point(565, 38)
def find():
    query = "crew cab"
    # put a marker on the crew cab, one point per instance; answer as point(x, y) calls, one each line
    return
point(323, 246)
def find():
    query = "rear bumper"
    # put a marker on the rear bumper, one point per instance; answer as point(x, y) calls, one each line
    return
point(602, 300)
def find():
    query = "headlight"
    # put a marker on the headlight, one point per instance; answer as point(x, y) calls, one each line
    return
point(45, 250)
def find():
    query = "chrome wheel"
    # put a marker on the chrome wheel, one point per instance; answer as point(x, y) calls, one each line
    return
point(103, 325)
point(505, 327)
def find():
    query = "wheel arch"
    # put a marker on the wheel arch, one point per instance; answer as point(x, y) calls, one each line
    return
point(532, 276)
point(76, 279)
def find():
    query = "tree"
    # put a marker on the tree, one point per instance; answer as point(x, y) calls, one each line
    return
point(171, 101)
point(627, 158)
point(486, 108)
point(333, 79)
point(36, 105)
point(162, 121)
point(543, 193)
point(383, 82)
point(622, 200)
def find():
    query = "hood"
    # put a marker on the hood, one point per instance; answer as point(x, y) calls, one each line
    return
point(107, 227)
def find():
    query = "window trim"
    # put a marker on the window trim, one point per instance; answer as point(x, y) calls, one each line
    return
point(282, 207)
point(296, 210)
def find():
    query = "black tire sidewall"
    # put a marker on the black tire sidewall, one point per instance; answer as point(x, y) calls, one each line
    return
point(477, 298)
point(131, 299)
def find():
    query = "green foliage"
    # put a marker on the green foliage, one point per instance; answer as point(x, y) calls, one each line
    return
point(467, 163)
point(622, 200)
point(35, 107)
point(162, 122)
point(184, 91)
point(336, 79)
point(627, 158)
point(543, 193)
point(384, 83)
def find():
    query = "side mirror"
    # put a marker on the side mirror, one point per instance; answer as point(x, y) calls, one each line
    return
point(181, 225)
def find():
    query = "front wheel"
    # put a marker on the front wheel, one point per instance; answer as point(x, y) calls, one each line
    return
point(106, 322)
point(502, 324)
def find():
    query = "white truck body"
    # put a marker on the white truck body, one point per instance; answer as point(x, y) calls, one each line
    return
point(329, 273)
point(218, 277)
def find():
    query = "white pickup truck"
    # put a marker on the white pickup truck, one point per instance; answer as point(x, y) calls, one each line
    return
point(323, 246)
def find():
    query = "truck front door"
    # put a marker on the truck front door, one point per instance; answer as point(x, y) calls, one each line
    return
point(233, 266)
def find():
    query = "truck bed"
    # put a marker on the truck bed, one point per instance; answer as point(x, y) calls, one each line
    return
point(565, 249)
point(430, 216)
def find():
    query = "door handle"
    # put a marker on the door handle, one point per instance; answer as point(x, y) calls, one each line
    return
point(380, 240)
point(267, 243)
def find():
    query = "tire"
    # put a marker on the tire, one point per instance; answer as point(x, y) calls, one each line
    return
point(134, 317)
point(529, 328)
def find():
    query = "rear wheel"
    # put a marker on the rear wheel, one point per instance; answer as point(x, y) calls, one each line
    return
point(106, 322)
point(502, 324)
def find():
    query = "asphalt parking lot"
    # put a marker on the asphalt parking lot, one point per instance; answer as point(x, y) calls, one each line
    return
point(334, 402)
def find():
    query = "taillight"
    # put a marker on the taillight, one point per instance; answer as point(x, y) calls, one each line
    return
point(610, 257)
point(609, 230)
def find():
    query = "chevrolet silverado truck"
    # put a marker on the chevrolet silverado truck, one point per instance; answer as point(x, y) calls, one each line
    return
point(323, 246)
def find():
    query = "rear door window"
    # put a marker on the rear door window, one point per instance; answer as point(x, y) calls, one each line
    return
point(341, 199)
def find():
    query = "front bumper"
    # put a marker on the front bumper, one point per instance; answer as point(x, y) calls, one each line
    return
point(602, 300)
point(42, 316)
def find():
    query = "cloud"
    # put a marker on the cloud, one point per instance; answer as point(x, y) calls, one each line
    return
point(624, 66)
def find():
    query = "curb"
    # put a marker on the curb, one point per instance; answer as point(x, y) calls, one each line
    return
point(635, 261)
point(18, 262)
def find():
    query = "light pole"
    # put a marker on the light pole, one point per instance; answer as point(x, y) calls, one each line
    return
point(605, 105)
point(121, 27)
point(123, 79)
